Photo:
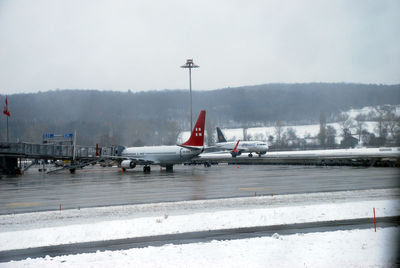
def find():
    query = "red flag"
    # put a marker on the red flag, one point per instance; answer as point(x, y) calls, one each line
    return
point(6, 111)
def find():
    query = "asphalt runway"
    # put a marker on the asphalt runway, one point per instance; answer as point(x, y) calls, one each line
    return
point(97, 186)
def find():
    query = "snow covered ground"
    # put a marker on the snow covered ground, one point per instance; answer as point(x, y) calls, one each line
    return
point(353, 248)
point(262, 133)
point(302, 131)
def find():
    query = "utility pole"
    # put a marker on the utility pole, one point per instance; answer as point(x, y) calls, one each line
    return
point(74, 147)
point(189, 65)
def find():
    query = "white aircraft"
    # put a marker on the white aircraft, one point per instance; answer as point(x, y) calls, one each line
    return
point(165, 156)
point(258, 147)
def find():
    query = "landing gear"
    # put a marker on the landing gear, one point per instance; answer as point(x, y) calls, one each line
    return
point(250, 155)
point(146, 169)
point(207, 164)
point(169, 168)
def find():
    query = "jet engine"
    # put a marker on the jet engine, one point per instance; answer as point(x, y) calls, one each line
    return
point(128, 164)
point(234, 154)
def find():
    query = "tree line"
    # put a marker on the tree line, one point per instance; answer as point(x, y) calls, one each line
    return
point(351, 132)
point(157, 117)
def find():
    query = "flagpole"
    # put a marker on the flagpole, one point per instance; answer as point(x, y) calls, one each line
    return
point(7, 129)
point(7, 113)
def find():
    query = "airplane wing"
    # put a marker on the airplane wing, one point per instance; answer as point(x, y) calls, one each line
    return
point(193, 148)
point(138, 161)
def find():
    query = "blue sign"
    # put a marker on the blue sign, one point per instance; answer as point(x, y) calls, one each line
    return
point(48, 135)
point(68, 135)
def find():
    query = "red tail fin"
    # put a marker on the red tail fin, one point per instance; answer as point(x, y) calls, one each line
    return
point(235, 149)
point(197, 136)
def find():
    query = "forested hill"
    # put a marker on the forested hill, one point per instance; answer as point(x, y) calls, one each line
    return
point(105, 113)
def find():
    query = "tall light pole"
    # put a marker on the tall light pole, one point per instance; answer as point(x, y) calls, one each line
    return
point(189, 65)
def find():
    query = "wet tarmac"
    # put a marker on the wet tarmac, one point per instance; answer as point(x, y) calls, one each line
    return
point(97, 186)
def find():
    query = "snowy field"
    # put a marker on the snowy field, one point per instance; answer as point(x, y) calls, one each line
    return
point(302, 131)
point(262, 133)
point(353, 248)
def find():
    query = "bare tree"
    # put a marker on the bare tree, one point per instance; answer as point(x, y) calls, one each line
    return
point(292, 137)
point(259, 136)
point(330, 136)
point(346, 123)
point(284, 140)
point(322, 130)
point(360, 123)
point(380, 117)
point(270, 140)
point(397, 133)
point(210, 131)
point(245, 125)
point(387, 125)
point(392, 123)
point(111, 135)
point(245, 136)
point(278, 132)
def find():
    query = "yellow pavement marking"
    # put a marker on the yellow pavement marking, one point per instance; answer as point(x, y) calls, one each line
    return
point(22, 204)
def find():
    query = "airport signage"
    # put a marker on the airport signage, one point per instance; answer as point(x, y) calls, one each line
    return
point(48, 136)
point(51, 135)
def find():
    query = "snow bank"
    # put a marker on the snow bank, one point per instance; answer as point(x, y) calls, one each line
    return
point(354, 248)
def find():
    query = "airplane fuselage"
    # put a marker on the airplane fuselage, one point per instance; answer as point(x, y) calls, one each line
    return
point(245, 146)
point(161, 155)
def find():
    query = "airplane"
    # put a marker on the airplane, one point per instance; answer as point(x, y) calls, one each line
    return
point(258, 147)
point(165, 156)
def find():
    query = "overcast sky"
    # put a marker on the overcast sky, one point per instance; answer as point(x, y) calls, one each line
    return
point(140, 45)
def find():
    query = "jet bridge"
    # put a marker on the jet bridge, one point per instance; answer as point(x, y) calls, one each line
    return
point(11, 153)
